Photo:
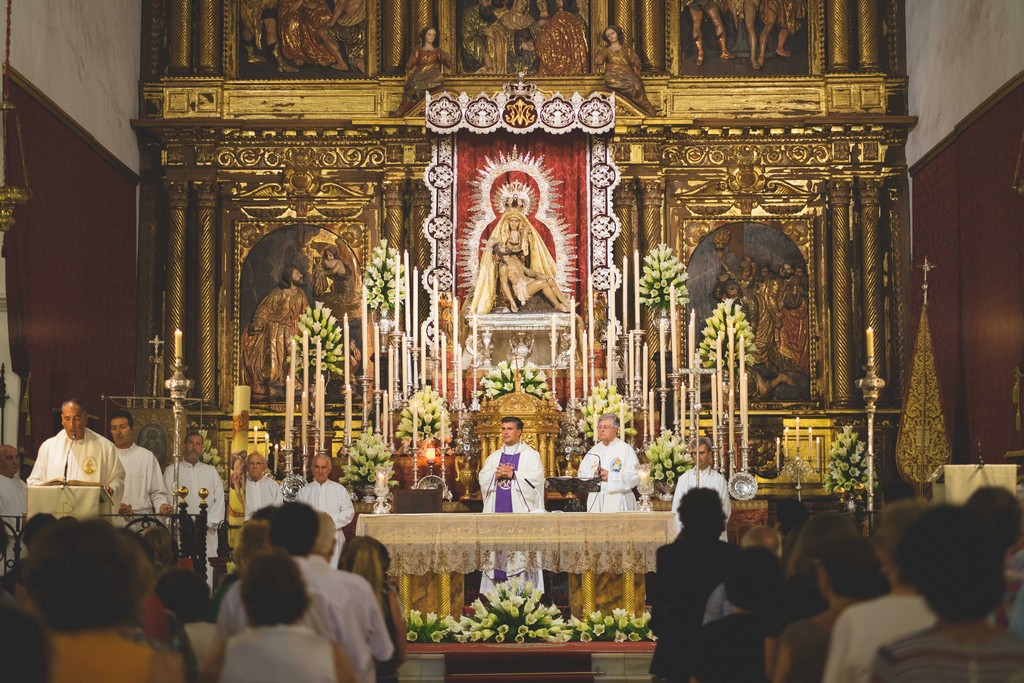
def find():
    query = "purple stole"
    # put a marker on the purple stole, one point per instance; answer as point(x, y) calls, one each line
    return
point(503, 500)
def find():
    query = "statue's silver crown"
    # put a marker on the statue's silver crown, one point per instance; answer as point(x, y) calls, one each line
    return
point(520, 88)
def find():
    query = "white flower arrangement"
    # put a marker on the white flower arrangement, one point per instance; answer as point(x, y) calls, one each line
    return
point(847, 466)
point(662, 270)
point(727, 313)
point(669, 459)
point(619, 626)
point(379, 278)
point(601, 401)
point(501, 380)
point(318, 321)
point(513, 613)
point(428, 406)
point(430, 628)
point(211, 455)
point(366, 453)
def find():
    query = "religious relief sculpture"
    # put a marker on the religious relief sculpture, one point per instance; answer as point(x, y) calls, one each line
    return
point(500, 37)
point(423, 69)
point(335, 276)
point(622, 69)
point(785, 13)
point(264, 344)
point(562, 45)
point(698, 8)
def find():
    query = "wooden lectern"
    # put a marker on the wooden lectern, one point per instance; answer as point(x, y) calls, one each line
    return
point(75, 499)
point(963, 480)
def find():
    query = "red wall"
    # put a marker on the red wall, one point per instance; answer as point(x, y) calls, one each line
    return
point(970, 223)
point(70, 272)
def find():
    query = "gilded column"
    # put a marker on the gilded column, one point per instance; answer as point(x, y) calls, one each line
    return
point(207, 38)
point(842, 292)
point(867, 31)
point(206, 201)
point(872, 272)
point(393, 36)
point(651, 37)
point(838, 26)
point(898, 240)
point(174, 287)
point(393, 232)
point(625, 205)
point(180, 37)
point(652, 200)
point(422, 17)
point(622, 16)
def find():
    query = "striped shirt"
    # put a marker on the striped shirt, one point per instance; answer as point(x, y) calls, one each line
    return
point(931, 657)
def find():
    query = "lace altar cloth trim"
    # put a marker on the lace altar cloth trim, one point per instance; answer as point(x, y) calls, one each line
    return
point(559, 542)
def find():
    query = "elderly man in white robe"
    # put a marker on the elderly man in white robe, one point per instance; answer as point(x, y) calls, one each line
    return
point(328, 496)
point(615, 462)
point(13, 497)
point(261, 490)
point(512, 480)
point(705, 477)
point(78, 454)
point(144, 489)
point(194, 474)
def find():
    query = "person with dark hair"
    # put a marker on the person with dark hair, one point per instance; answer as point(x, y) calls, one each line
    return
point(766, 537)
point(87, 582)
point(184, 593)
point(145, 491)
point(161, 543)
point(789, 515)
point(956, 561)
point(253, 537)
point(24, 647)
point(512, 480)
point(613, 461)
point(13, 581)
point(705, 477)
point(194, 474)
point(1001, 511)
point(688, 570)
point(276, 646)
point(732, 648)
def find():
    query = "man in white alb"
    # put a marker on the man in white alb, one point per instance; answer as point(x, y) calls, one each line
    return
point(78, 454)
point(261, 490)
point(194, 474)
point(709, 478)
point(144, 488)
point(615, 462)
point(512, 480)
point(328, 496)
point(13, 499)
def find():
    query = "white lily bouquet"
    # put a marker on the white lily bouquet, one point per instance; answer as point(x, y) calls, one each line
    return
point(379, 278)
point(366, 453)
point(847, 467)
point(428, 407)
point(727, 313)
point(211, 455)
point(501, 380)
point(430, 628)
point(513, 613)
point(603, 400)
point(669, 459)
point(619, 626)
point(662, 270)
point(320, 323)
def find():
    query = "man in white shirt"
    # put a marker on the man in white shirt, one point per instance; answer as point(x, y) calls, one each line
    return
point(144, 488)
point(615, 462)
point(261, 490)
point(512, 480)
point(194, 475)
point(703, 476)
point(79, 454)
point(328, 496)
point(13, 497)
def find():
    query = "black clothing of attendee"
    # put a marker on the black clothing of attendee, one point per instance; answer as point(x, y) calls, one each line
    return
point(731, 650)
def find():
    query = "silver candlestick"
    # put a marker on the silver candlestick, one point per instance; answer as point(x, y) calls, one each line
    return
point(871, 386)
point(179, 386)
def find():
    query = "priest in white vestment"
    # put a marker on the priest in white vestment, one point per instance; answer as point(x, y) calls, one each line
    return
point(194, 474)
point(615, 462)
point(79, 454)
point(512, 480)
point(144, 489)
point(708, 478)
point(261, 490)
point(331, 497)
point(13, 497)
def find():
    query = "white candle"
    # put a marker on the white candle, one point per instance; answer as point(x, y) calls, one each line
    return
point(636, 288)
point(415, 286)
point(810, 445)
point(691, 338)
point(305, 387)
point(456, 350)
point(871, 343)
point(661, 346)
point(572, 353)
point(622, 420)
point(289, 408)
point(347, 339)
point(630, 360)
point(444, 366)
point(364, 323)
point(673, 319)
point(405, 364)
point(586, 366)
point(408, 294)
point(610, 353)
point(821, 460)
point(717, 387)
point(385, 415)
point(348, 413)
point(178, 344)
point(444, 428)
point(796, 438)
point(376, 357)
point(646, 371)
point(650, 412)
point(398, 289)
point(785, 439)
point(714, 407)
point(778, 454)
point(305, 417)
point(744, 416)
point(424, 363)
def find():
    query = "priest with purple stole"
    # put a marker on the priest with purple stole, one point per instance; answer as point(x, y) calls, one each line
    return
point(512, 480)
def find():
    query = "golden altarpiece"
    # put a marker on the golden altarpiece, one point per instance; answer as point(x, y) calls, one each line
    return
point(770, 156)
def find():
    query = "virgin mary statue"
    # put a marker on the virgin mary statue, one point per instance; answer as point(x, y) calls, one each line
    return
point(514, 237)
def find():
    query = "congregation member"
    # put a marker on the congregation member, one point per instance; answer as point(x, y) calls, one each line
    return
point(13, 489)
point(253, 537)
point(330, 497)
point(184, 593)
point(705, 477)
point(145, 491)
point(512, 480)
point(688, 569)
point(954, 559)
point(13, 582)
point(614, 461)
point(78, 454)
point(1001, 511)
point(194, 475)
point(766, 537)
point(261, 490)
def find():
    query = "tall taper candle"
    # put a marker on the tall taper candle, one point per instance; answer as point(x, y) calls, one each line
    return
point(376, 357)
point(871, 343)
point(348, 414)
point(444, 365)
point(674, 322)
point(346, 337)
point(178, 345)
point(646, 373)
point(408, 295)
point(586, 366)
point(691, 339)
point(664, 355)
point(364, 328)
point(415, 286)
point(796, 437)
point(637, 320)
point(424, 365)
point(625, 295)
point(456, 350)
point(744, 415)
point(305, 418)
point(398, 290)
point(289, 410)
point(572, 353)
point(610, 352)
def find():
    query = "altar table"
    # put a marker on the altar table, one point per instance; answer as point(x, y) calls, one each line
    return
point(440, 548)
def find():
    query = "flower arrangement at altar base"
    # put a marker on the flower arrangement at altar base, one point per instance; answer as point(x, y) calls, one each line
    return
point(211, 455)
point(847, 467)
point(379, 278)
point(501, 380)
point(728, 312)
point(669, 458)
point(430, 628)
point(366, 453)
point(601, 401)
point(429, 407)
point(513, 613)
point(319, 322)
point(662, 270)
point(618, 627)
